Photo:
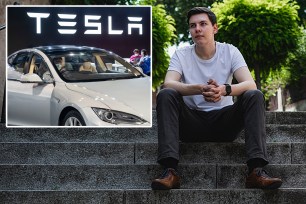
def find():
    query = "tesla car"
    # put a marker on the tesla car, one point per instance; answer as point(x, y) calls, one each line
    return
point(75, 86)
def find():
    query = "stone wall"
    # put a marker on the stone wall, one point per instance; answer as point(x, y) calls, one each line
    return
point(3, 4)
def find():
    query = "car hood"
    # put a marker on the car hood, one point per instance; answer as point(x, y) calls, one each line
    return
point(127, 95)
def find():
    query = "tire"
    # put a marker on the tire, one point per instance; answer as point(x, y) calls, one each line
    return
point(73, 118)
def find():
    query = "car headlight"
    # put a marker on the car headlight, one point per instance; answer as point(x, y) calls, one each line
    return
point(117, 117)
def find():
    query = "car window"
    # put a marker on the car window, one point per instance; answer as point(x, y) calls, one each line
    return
point(41, 69)
point(20, 62)
point(17, 65)
point(11, 58)
point(82, 66)
point(26, 63)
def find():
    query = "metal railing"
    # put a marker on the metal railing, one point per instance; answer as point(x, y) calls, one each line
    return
point(2, 119)
point(2, 27)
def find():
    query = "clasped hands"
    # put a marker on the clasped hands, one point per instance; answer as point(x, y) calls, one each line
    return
point(212, 92)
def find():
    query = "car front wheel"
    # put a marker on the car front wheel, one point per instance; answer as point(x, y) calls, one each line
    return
point(73, 118)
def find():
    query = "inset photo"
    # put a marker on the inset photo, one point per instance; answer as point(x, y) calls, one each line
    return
point(79, 66)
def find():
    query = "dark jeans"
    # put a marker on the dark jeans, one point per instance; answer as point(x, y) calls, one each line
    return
point(177, 122)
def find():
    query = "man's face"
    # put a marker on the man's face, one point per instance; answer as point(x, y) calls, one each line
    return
point(201, 29)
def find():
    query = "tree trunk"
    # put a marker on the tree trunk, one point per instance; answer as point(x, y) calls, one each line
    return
point(257, 76)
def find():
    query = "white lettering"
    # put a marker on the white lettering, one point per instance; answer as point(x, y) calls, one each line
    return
point(67, 16)
point(38, 17)
point(90, 24)
point(67, 26)
point(67, 23)
point(110, 29)
point(134, 25)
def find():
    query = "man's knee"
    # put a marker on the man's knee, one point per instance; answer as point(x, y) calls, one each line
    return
point(167, 93)
point(254, 95)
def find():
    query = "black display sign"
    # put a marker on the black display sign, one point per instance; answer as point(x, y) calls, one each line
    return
point(120, 29)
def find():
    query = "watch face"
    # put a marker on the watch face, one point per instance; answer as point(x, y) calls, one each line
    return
point(228, 89)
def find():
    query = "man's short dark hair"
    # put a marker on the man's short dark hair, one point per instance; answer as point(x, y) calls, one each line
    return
point(197, 10)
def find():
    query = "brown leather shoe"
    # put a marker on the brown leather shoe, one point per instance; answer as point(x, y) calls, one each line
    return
point(260, 179)
point(168, 180)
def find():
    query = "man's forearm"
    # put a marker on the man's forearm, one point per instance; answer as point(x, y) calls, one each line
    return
point(238, 89)
point(185, 89)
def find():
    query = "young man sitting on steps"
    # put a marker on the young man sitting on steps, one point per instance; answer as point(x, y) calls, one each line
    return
point(196, 103)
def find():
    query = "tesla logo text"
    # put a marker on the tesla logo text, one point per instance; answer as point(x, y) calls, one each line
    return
point(68, 22)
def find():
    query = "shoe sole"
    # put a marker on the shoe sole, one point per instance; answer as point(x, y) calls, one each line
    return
point(273, 186)
point(159, 186)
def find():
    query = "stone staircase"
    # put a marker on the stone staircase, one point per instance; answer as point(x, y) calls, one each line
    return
point(93, 165)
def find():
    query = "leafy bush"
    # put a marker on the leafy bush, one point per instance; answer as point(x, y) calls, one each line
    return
point(265, 31)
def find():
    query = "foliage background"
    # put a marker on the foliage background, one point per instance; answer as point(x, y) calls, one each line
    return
point(265, 31)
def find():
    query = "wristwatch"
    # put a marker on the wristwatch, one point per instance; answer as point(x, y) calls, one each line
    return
point(228, 89)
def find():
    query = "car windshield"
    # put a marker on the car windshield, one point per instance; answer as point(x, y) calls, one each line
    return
point(82, 66)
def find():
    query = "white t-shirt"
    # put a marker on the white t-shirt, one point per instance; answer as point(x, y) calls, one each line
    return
point(195, 70)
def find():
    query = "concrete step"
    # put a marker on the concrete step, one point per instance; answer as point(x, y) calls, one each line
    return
point(275, 133)
point(108, 165)
point(298, 117)
point(283, 133)
point(67, 153)
point(224, 153)
point(286, 117)
point(81, 177)
point(139, 196)
point(141, 153)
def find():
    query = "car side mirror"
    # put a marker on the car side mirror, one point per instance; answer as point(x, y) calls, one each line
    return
point(30, 78)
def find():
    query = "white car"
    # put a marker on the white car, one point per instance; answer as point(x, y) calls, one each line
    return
point(76, 86)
